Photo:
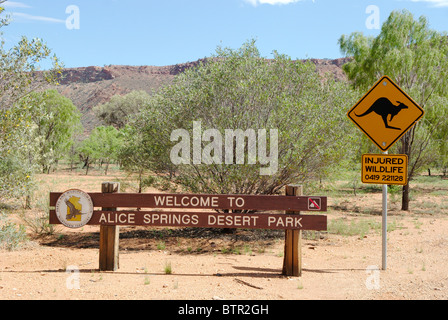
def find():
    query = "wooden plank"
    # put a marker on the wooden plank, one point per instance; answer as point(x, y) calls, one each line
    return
point(292, 262)
point(297, 253)
point(109, 236)
point(103, 249)
point(205, 220)
point(203, 201)
point(287, 256)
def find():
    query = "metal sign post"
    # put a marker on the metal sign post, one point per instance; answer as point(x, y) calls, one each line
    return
point(384, 227)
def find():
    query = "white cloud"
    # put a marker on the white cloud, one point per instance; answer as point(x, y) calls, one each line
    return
point(434, 3)
point(13, 4)
point(26, 16)
point(271, 2)
point(36, 18)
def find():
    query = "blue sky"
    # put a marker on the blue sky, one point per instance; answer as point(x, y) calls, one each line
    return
point(137, 32)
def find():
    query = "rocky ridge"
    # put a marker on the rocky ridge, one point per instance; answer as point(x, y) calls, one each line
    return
point(90, 86)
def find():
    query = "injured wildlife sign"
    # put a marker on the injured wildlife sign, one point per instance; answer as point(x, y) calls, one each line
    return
point(384, 169)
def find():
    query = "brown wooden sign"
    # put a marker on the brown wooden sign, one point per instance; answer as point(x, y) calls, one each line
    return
point(75, 208)
point(202, 219)
point(205, 220)
point(204, 201)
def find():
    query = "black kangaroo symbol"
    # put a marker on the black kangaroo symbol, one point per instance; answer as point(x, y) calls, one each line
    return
point(384, 107)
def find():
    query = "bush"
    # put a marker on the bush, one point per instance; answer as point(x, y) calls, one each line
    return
point(297, 113)
point(12, 236)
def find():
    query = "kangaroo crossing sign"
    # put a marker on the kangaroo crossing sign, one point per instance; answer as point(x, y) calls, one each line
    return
point(385, 113)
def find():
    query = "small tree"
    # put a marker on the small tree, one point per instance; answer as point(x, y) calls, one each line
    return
point(438, 113)
point(56, 121)
point(135, 158)
point(240, 90)
point(18, 78)
point(416, 58)
point(117, 111)
point(103, 144)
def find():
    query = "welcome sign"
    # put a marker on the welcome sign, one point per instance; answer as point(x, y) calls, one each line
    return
point(188, 218)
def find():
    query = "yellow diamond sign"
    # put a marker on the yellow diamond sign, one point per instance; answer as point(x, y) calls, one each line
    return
point(385, 113)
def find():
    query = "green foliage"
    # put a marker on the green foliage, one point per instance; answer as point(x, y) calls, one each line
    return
point(416, 58)
point(15, 168)
point(437, 113)
point(239, 89)
point(35, 133)
point(55, 121)
point(360, 227)
point(103, 144)
point(134, 157)
point(168, 269)
point(407, 50)
point(19, 79)
point(12, 237)
point(38, 221)
point(117, 111)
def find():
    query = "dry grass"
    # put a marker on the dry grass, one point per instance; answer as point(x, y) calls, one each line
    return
point(349, 215)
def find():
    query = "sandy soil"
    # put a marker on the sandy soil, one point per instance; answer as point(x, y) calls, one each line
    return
point(206, 265)
point(239, 266)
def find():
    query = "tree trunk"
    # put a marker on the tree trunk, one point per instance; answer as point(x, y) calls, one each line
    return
point(140, 188)
point(86, 165)
point(405, 198)
point(107, 168)
point(27, 202)
point(406, 148)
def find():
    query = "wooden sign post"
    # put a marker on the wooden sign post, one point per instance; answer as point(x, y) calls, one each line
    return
point(75, 208)
point(109, 235)
point(292, 261)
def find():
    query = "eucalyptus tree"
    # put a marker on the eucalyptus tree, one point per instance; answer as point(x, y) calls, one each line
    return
point(103, 144)
point(241, 123)
point(117, 111)
point(56, 121)
point(19, 77)
point(416, 58)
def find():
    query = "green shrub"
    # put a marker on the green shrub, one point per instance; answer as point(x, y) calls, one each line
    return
point(12, 236)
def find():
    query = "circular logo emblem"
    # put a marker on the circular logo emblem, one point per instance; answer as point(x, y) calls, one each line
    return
point(74, 208)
